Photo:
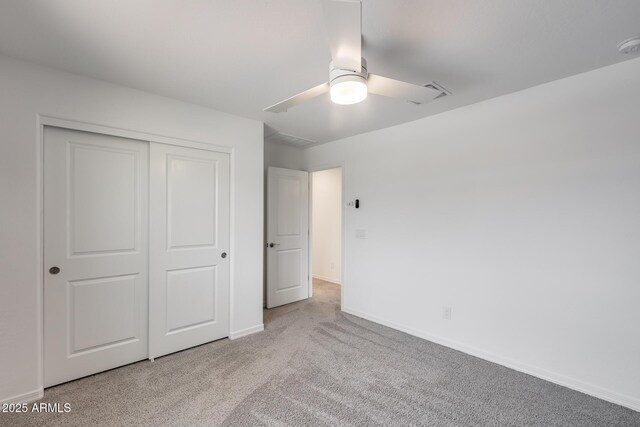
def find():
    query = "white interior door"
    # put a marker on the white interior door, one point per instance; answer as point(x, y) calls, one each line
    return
point(95, 253)
point(188, 247)
point(287, 236)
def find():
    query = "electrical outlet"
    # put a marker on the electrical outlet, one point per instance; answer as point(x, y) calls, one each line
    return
point(333, 266)
point(446, 313)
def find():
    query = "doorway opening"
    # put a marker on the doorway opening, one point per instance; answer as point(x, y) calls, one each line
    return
point(326, 234)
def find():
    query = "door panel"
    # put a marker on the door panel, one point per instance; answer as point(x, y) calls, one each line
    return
point(189, 267)
point(191, 297)
point(191, 203)
point(289, 274)
point(288, 231)
point(95, 232)
point(288, 209)
point(95, 299)
point(99, 196)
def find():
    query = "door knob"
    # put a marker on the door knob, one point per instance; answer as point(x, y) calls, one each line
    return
point(223, 254)
point(54, 270)
point(273, 244)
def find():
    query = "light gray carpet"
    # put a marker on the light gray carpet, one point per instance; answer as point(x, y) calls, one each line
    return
point(315, 365)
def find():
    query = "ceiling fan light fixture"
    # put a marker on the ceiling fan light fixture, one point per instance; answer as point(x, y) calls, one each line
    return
point(348, 90)
point(349, 81)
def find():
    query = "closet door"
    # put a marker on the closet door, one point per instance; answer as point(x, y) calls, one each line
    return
point(95, 253)
point(189, 243)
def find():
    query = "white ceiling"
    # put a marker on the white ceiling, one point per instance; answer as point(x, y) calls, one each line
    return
point(240, 56)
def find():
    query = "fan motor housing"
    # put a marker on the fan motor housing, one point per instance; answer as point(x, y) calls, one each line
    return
point(339, 73)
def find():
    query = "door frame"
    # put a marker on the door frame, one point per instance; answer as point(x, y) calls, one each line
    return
point(343, 275)
point(43, 120)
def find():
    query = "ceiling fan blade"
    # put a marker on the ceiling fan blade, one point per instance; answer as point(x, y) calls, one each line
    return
point(298, 99)
point(401, 90)
point(343, 22)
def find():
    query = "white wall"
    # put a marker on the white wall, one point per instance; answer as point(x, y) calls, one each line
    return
point(326, 229)
point(28, 90)
point(283, 156)
point(522, 213)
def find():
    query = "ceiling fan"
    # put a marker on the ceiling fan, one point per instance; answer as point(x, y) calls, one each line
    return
point(349, 81)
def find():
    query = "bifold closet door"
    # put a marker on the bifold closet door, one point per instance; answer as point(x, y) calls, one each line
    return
point(188, 248)
point(95, 253)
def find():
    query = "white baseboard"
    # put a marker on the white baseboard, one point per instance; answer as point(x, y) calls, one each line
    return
point(326, 279)
point(244, 332)
point(554, 377)
point(28, 397)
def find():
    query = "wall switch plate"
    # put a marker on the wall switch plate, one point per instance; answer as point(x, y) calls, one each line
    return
point(446, 313)
point(361, 234)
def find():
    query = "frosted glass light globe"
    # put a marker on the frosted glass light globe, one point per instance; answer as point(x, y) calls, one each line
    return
point(348, 90)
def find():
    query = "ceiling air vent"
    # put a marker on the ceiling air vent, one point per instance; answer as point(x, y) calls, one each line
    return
point(436, 86)
point(283, 138)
